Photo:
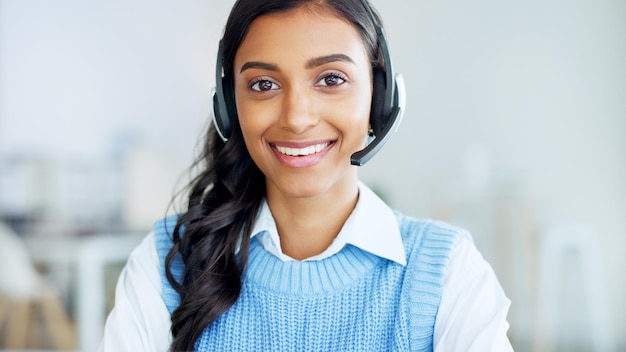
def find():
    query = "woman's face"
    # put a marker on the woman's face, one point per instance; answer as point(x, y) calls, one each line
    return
point(303, 93)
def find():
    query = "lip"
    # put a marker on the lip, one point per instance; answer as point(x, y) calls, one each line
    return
point(301, 154)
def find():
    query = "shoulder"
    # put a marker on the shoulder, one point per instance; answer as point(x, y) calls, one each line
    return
point(420, 233)
point(429, 247)
point(139, 320)
point(163, 231)
point(164, 227)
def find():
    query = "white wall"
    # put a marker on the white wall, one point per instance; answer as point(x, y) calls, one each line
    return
point(533, 91)
point(76, 74)
point(83, 82)
point(529, 94)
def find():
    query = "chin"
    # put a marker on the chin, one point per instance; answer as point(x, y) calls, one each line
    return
point(308, 190)
point(315, 185)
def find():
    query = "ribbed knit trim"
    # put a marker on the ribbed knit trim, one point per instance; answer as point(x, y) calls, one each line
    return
point(308, 277)
point(163, 230)
point(429, 246)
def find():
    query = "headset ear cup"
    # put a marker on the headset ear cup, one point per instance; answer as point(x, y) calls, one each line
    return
point(224, 116)
point(377, 113)
point(217, 117)
point(229, 98)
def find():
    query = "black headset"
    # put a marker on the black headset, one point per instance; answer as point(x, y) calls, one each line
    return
point(387, 100)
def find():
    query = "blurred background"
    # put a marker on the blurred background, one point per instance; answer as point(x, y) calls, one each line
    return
point(515, 129)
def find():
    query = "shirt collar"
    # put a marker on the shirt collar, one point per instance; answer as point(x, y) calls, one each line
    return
point(371, 226)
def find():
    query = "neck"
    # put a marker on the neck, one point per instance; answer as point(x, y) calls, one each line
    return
point(307, 226)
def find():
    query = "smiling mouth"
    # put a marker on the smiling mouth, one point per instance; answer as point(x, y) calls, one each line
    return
point(312, 149)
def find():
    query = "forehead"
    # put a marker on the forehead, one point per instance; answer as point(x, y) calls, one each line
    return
point(300, 33)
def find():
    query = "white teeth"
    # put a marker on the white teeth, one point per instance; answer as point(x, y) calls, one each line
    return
point(312, 149)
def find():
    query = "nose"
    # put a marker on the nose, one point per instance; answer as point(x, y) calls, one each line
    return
point(299, 113)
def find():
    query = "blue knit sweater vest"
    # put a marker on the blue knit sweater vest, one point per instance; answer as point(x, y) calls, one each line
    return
point(351, 301)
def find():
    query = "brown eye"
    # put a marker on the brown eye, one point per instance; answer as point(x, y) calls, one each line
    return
point(263, 85)
point(331, 80)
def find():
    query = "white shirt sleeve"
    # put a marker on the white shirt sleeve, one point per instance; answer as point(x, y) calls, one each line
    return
point(473, 308)
point(139, 320)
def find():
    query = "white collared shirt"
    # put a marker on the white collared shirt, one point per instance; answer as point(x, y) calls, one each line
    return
point(370, 218)
point(471, 317)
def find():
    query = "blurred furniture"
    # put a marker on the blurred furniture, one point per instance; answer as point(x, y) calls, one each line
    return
point(38, 323)
point(32, 315)
point(87, 257)
point(557, 242)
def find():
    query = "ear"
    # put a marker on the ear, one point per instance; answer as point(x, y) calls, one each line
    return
point(377, 113)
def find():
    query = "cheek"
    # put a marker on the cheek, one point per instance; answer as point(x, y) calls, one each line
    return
point(354, 114)
point(254, 121)
point(252, 134)
point(252, 138)
point(251, 119)
point(249, 126)
point(255, 116)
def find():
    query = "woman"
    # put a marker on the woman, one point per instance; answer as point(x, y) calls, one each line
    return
point(281, 247)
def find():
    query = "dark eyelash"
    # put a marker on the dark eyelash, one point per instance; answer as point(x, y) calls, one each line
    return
point(255, 81)
point(336, 74)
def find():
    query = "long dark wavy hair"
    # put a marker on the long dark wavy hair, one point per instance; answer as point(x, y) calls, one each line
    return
point(225, 196)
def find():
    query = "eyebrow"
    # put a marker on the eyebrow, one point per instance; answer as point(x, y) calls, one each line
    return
point(312, 63)
point(318, 61)
point(260, 65)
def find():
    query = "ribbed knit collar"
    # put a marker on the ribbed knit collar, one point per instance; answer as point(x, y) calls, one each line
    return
point(311, 276)
point(371, 227)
